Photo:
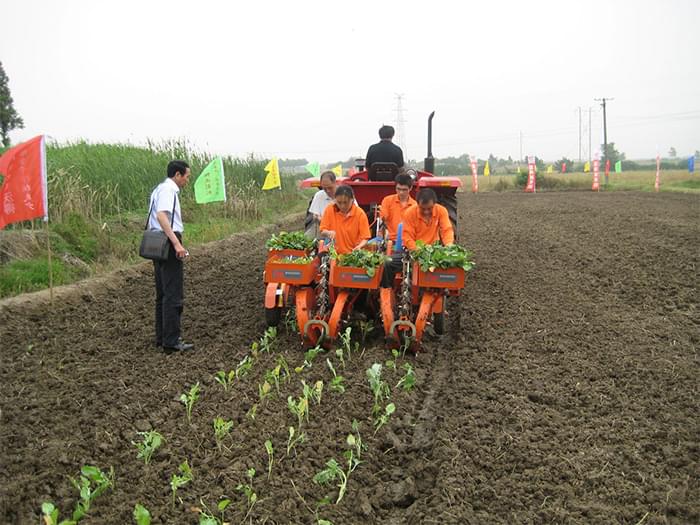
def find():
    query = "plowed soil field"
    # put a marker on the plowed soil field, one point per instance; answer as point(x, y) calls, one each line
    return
point(566, 389)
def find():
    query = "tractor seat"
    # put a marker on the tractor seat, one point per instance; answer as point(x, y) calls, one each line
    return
point(383, 171)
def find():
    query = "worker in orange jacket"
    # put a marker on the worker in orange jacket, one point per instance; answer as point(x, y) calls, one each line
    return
point(394, 207)
point(428, 222)
point(345, 223)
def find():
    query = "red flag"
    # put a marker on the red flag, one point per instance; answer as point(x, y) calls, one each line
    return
point(563, 167)
point(475, 180)
point(23, 194)
point(657, 182)
point(596, 175)
point(607, 168)
point(531, 176)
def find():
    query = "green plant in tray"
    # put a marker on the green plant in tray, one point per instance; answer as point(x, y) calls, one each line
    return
point(433, 256)
point(365, 259)
point(290, 241)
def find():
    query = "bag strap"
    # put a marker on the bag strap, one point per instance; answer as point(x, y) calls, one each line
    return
point(172, 215)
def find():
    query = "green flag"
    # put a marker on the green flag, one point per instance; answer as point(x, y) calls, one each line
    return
point(209, 186)
point(314, 168)
point(618, 166)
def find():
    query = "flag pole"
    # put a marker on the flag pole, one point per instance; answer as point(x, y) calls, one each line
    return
point(48, 250)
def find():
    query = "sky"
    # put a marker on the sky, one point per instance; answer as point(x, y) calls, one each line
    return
point(316, 79)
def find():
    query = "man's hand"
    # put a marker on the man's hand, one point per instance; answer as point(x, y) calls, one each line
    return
point(180, 251)
point(328, 234)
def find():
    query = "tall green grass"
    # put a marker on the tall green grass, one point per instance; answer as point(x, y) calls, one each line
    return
point(104, 180)
point(98, 203)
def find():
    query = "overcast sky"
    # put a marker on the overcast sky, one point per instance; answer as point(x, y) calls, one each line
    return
point(317, 79)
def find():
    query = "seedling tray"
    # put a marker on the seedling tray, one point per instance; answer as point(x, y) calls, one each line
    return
point(289, 273)
point(354, 277)
point(450, 278)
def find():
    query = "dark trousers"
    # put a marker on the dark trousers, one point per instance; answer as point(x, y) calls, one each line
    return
point(169, 298)
point(391, 268)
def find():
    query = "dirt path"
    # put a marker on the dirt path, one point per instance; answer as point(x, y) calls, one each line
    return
point(566, 392)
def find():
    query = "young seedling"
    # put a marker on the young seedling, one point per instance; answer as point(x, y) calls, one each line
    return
point(346, 343)
point(264, 391)
point(380, 421)
point(337, 381)
point(180, 481)
point(189, 400)
point(309, 357)
point(92, 483)
point(294, 439)
point(333, 471)
point(244, 366)
point(299, 408)
point(380, 389)
point(267, 341)
point(365, 328)
point(141, 515)
point(339, 354)
point(151, 441)
point(354, 439)
point(277, 374)
point(207, 518)
point(391, 363)
point(225, 379)
point(408, 381)
point(222, 429)
point(252, 411)
point(290, 320)
point(314, 393)
point(270, 457)
point(247, 489)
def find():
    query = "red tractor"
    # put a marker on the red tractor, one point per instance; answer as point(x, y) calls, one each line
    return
point(371, 186)
point(417, 298)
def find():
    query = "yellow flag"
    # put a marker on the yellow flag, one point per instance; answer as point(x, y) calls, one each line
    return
point(550, 169)
point(587, 167)
point(518, 169)
point(338, 170)
point(273, 176)
point(487, 170)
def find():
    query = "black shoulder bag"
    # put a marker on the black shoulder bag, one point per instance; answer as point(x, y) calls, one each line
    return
point(155, 245)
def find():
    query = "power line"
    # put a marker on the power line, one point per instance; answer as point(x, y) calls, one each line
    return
point(400, 121)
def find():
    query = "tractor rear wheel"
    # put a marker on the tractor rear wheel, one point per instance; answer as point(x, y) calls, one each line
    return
point(273, 316)
point(449, 201)
point(439, 323)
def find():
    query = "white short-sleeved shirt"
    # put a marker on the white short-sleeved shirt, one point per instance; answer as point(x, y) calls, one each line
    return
point(162, 199)
point(320, 202)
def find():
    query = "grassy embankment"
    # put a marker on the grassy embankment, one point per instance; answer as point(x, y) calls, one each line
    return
point(671, 180)
point(98, 202)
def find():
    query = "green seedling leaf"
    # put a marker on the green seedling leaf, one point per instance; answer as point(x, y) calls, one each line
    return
point(141, 515)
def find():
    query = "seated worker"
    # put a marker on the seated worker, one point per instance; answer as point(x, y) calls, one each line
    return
point(321, 199)
point(345, 223)
point(427, 222)
point(384, 150)
point(394, 207)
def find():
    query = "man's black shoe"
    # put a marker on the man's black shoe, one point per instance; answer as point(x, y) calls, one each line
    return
point(181, 346)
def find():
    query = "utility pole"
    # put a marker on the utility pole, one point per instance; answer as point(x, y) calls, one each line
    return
point(521, 146)
point(579, 133)
point(400, 121)
point(605, 134)
point(590, 144)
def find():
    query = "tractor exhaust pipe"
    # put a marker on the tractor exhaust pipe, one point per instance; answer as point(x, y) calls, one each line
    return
point(429, 163)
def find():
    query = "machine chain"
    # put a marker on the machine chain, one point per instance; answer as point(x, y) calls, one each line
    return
point(323, 301)
point(405, 302)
